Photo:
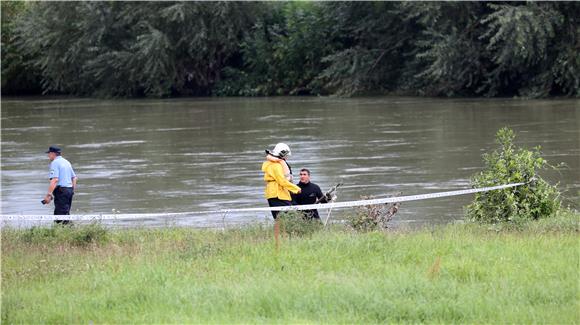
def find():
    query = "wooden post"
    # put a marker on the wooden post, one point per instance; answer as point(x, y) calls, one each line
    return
point(433, 271)
point(277, 234)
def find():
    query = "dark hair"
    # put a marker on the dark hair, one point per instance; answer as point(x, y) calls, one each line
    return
point(305, 170)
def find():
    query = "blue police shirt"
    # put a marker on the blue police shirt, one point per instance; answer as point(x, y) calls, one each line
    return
point(62, 169)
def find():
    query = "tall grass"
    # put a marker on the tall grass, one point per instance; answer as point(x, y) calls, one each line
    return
point(451, 274)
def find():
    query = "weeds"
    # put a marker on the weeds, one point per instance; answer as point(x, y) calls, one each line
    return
point(79, 235)
point(296, 224)
point(372, 217)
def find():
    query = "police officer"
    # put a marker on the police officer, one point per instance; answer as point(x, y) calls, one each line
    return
point(63, 182)
point(309, 194)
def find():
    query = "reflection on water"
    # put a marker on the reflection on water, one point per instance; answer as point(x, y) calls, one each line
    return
point(205, 154)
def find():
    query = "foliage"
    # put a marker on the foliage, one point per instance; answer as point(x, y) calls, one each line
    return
point(372, 55)
point(520, 40)
point(508, 164)
point(282, 52)
point(17, 78)
point(347, 73)
point(296, 224)
point(160, 49)
point(449, 59)
point(371, 217)
point(132, 49)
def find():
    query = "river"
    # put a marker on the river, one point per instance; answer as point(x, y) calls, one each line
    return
point(178, 155)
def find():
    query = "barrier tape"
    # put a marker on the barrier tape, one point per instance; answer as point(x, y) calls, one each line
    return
point(332, 205)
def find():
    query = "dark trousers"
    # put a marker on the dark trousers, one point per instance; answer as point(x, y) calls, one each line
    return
point(62, 202)
point(275, 202)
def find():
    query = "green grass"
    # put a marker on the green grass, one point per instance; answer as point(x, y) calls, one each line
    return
point(181, 275)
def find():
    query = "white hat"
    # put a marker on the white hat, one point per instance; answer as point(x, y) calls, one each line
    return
point(281, 150)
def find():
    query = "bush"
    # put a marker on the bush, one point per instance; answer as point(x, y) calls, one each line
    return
point(295, 223)
point(535, 200)
point(372, 217)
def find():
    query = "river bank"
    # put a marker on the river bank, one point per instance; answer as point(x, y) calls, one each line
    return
point(450, 274)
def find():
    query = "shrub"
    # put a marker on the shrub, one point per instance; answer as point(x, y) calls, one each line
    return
point(508, 164)
point(372, 217)
point(294, 223)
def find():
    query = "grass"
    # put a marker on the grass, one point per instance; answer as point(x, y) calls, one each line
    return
point(453, 274)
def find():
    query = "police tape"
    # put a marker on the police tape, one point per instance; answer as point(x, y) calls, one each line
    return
point(332, 205)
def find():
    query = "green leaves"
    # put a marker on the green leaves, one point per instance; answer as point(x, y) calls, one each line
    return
point(129, 49)
point(520, 40)
point(152, 56)
point(17, 78)
point(535, 200)
point(161, 49)
point(520, 34)
point(282, 54)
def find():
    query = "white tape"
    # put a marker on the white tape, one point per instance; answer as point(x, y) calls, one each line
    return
point(332, 205)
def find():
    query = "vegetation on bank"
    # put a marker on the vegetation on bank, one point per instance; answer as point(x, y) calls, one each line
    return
point(159, 49)
point(510, 164)
point(463, 273)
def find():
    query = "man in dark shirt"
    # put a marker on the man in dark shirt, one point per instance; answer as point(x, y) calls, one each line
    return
point(309, 194)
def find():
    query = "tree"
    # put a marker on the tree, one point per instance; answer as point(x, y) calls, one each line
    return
point(374, 38)
point(519, 39)
point(163, 49)
point(132, 49)
point(448, 58)
point(282, 54)
point(17, 78)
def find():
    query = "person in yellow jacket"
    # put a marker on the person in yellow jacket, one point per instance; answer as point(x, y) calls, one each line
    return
point(278, 177)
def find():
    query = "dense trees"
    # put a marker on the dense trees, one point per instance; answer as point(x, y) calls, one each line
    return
point(285, 48)
point(282, 52)
point(17, 77)
point(131, 48)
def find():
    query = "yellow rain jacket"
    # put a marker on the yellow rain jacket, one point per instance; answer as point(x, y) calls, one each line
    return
point(277, 186)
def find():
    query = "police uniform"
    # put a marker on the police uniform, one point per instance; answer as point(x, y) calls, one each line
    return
point(310, 192)
point(63, 193)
